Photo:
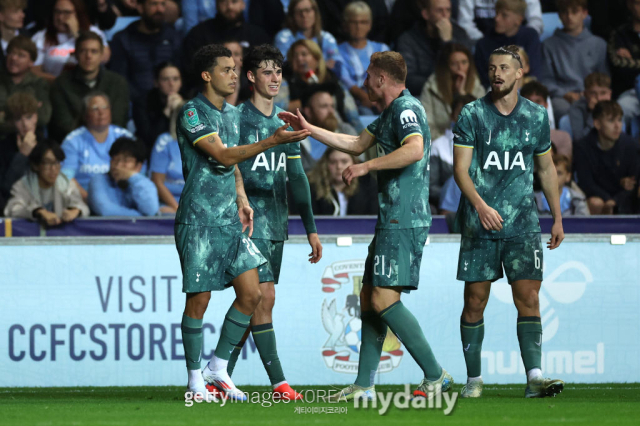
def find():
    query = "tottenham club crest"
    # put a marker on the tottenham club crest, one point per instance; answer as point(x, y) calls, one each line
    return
point(341, 320)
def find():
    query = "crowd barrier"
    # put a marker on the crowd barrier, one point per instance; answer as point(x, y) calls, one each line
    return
point(106, 312)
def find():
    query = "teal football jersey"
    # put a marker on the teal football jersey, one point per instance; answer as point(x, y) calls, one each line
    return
point(403, 194)
point(209, 194)
point(504, 147)
point(265, 175)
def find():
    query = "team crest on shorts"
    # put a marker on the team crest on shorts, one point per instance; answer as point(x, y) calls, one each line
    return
point(341, 320)
point(192, 116)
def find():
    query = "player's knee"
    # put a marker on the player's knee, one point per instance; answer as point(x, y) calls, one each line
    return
point(528, 300)
point(268, 300)
point(197, 305)
point(251, 298)
point(474, 305)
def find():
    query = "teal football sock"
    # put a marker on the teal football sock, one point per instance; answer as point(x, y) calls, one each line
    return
point(192, 341)
point(472, 335)
point(374, 331)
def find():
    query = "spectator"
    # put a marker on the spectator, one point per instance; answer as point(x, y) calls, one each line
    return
point(11, 23)
point(22, 110)
point(140, 47)
point(166, 167)
point(597, 87)
point(229, 24)
point(308, 68)
point(17, 77)
point(319, 108)
point(332, 12)
point(455, 76)
point(509, 31)
point(421, 44)
point(70, 88)
point(477, 17)
point(243, 91)
point(331, 196)
point(572, 199)
point(570, 55)
point(153, 119)
point(44, 193)
point(356, 53)
point(124, 191)
point(126, 7)
point(303, 22)
point(537, 93)
point(449, 201)
point(441, 160)
point(624, 55)
point(403, 14)
point(101, 12)
point(87, 148)
point(57, 42)
point(607, 163)
point(266, 14)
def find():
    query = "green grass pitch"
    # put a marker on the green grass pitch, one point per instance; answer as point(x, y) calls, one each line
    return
point(583, 404)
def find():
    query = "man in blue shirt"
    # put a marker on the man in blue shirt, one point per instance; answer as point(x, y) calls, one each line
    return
point(124, 191)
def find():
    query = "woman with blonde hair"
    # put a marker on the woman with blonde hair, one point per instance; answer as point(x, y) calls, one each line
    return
point(303, 22)
point(455, 76)
point(331, 196)
point(308, 67)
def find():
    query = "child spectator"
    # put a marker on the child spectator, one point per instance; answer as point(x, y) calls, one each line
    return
point(455, 76)
point(607, 163)
point(356, 53)
point(597, 88)
point(11, 23)
point(572, 199)
point(508, 30)
point(124, 191)
point(477, 17)
point(569, 55)
point(44, 193)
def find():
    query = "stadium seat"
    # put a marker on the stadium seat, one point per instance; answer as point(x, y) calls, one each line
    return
point(121, 23)
point(367, 119)
point(551, 22)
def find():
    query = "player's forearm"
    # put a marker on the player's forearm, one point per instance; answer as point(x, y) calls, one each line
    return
point(231, 156)
point(339, 141)
point(401, 157)
point(549, 182)
point(302, 198)
point(241, 195)
point(467, 187)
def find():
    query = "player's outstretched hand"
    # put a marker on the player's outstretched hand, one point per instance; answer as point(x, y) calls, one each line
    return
point(282, 136)
point(490, 218)
point(316, 248)
point(246, 218)
point(354, 171)
point(297, 121)
point(557, 235)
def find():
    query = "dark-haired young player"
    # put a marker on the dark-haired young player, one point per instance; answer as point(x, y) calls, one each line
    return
point(265, 183)
point(393, 264)
point(497, 140)
point(212, 215)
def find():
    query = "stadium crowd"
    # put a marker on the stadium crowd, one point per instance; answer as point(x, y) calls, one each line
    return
point(90, 90)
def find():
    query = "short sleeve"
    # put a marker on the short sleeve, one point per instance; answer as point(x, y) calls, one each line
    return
point(373, 127)
point(544, 143)
point(463, 132)
point(196, 124)
point(160, 157)
point(407, 121)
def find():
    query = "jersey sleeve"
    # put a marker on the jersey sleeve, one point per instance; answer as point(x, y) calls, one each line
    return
point(463, 133)
point(373, 127)
point(407, 120)
point(293, 150)
point(197, 124)
point(544, 143)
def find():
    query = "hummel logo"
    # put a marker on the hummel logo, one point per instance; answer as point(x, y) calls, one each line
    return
point(197, 277)
point(489, 141)
point(467, 348)
point(269, 363)
point(539, 342)
point(526, 132)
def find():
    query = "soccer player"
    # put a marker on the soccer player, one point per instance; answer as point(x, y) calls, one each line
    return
point(212, 216)
point(497, 139)
point(393, 263)
point(265, 183)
